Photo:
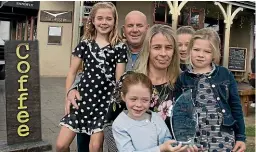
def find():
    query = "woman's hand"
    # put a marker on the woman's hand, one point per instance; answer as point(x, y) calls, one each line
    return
point(166, 146)
point(239, 147)
point(71, 99)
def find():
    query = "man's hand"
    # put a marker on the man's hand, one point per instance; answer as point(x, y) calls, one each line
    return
point(71, 98)
point(239, 147)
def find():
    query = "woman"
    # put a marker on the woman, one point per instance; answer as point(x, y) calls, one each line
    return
point(160, 62)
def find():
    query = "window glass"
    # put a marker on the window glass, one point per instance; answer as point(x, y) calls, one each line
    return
point(4, 31)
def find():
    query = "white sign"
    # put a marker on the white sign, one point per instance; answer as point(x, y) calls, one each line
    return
point(54, 31)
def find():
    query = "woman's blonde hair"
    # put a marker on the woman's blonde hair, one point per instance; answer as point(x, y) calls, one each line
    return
point(213, 37)
point(185, 30)
point(142, 65)
point(90, 32)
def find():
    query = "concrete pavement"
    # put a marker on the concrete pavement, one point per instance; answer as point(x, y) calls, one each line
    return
point(52, 109)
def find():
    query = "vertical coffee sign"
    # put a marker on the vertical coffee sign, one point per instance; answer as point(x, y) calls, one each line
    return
point(22, 88)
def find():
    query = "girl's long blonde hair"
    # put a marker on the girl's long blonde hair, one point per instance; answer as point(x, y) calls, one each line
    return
point(90, 32)
point(142, 65)
point(213, 37)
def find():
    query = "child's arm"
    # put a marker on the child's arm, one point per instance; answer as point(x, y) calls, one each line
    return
point(167, 133)
point(120, 69)
point(74, 85)
point(75, 63)
point(124, 141)
point(77, 58)
point(121, 61)
point(236, 109)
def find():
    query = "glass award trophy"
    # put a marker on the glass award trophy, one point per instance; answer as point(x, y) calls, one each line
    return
point(184, 119)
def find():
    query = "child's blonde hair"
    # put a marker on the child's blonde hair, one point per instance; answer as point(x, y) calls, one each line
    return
point(173, 69)
point(90, 32)
point(185, 30)
point(213, 37)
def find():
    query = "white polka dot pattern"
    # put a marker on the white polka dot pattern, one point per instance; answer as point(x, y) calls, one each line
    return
point(95, 86)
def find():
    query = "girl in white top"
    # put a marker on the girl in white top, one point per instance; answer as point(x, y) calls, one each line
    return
point(138, 129)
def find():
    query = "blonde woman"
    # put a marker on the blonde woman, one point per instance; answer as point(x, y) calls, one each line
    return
point(221, 121)
point(160, 62)
point(104, 57)
point(184, 35)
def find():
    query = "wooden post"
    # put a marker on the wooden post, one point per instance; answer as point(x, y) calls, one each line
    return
point(76, 24)
point(26, 29)
point(19, 31)
point(175, 9)
point(31, 28)
point(228, 20)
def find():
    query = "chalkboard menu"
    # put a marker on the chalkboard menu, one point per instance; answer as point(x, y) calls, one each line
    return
point(237, 59)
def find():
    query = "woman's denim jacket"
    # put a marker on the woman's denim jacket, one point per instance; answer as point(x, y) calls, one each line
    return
point(225, 91)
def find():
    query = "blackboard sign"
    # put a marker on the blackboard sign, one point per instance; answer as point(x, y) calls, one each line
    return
point(237, 59)
point(22, 88)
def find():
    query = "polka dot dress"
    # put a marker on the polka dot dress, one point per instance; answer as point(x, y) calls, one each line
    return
point(211, 134)
point(96, 85)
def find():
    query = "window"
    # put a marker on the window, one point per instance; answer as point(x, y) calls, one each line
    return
point(192, 17)
point(161, 13)
point(4, 31)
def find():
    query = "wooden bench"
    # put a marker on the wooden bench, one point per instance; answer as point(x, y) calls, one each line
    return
point(247, 94)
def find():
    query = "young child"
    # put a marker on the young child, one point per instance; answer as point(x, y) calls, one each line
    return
point(104, 57)
point(184, 35)
point(138, 129)
point(214, 90)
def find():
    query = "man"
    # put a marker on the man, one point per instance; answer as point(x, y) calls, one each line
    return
point(134, 28)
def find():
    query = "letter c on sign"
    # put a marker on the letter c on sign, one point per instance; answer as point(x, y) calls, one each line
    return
point(18, 51)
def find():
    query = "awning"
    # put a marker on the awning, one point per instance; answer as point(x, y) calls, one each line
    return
point(18, 10)
point(244, 4)
point(22, 4)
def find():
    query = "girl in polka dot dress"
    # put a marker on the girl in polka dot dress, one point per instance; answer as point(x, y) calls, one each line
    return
point(104, 58)
point(221, 124)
